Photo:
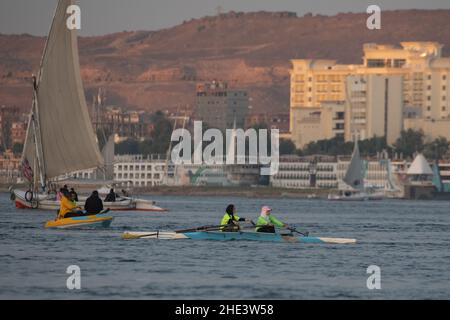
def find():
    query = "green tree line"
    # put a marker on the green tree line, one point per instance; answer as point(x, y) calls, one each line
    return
point(157, 143)
point(409, 143)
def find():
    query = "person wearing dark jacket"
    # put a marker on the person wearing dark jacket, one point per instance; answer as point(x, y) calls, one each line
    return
point(93, 205)
point(65, 189)
point(111, 197)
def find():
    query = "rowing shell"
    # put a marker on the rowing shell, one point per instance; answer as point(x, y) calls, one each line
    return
point(233, 236)
point(77, 222)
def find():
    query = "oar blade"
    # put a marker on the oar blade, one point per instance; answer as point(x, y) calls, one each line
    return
point(338, 240)
point(157, 235)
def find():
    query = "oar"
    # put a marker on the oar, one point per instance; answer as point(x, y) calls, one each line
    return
point(128, 236)
point(306, 234)
point(204, 228)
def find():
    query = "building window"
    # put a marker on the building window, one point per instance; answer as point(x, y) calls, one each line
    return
point(428, 108)
point(429, 98)
point(398, 63)
point(375, 63)
point(444, 77)
point(443, 108)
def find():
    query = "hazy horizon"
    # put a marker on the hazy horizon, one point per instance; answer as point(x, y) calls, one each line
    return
point(101, 17)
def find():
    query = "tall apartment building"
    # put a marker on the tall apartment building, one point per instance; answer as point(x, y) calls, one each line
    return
point(318, 123)
point(425, 83)
point(219, 106)
point(375, 107)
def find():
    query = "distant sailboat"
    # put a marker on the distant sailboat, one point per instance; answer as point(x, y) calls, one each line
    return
point(355, 172)
point(354, 180)
point(60, 138)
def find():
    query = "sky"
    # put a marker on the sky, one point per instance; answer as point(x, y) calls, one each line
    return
point(100, 17)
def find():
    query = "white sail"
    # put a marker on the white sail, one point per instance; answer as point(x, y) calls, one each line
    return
point(355, 171)
point(108, 152)
point(61, 135)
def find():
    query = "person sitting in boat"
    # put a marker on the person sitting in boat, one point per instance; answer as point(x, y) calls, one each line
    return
point(93, 205)
point(267, 222)
point(230, 221)
point(65, 188)
point(59, 195)
point(73, 195)
point(125, 193)
point(68, 208)
point(111, 197)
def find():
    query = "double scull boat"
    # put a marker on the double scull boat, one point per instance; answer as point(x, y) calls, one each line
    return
point(234, 236)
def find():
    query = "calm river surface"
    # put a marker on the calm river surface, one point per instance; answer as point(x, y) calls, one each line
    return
point(409, 241)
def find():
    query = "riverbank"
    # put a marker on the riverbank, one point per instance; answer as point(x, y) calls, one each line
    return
point(248, 192)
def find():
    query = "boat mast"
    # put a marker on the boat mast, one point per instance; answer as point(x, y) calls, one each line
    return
point(169, 151)
point(35, 119)
point(37, 136)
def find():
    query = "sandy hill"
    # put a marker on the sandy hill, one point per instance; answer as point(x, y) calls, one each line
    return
point(159, 69)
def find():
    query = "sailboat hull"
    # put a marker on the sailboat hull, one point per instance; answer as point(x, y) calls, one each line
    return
point(360, 196)
point(352, 197)
point(44, 202)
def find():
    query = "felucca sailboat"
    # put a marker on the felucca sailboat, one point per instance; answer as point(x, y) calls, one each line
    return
point(60, 138)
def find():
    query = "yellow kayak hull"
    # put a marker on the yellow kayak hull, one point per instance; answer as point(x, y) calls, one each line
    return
point(91, 221)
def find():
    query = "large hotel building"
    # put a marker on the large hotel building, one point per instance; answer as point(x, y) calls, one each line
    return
point(396, 88)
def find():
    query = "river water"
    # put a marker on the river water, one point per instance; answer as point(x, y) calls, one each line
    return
point(409, 241)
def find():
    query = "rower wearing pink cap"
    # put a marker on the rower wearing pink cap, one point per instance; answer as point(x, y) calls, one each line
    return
point(267, 222)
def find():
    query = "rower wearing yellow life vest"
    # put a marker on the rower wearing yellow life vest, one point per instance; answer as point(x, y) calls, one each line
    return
point(230, 221)
point(267, 223)
point(68, 208)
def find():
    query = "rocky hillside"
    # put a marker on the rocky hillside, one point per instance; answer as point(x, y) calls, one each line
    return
point(159, 69)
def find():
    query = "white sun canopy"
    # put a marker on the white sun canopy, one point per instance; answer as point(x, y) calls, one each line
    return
point(420, 166)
